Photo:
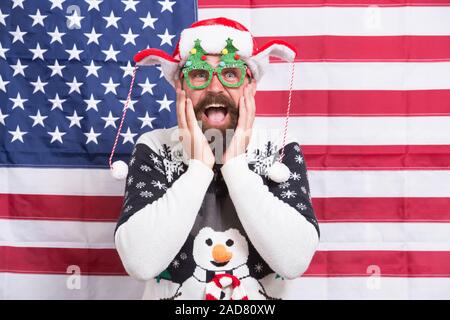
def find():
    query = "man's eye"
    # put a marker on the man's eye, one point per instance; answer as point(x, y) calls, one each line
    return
point(230, 75)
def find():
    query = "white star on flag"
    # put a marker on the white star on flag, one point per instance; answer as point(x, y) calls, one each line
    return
point(39, 85)
point(146, 121)
point(2, 18)
point(110, 120)
point(37, 18)
point(56, 135)
point(18, 3)
point(148, 21)
point(74, 120)
point(111, 53)
point(94, 4)
point(3, 84)
point(74, 21)
point(3, 117)
point(38, 52)
point(111, 20)
point(17, 135)
point(128, 136)
point(166, 5)
point(18, 35)
point(160, 72)
point(164, 103)
point(93, 36)
point(56, 35)
point(110, 86)
point(74, 53)
point(147, 87)
point(130, 104)
point(57, 102)
point(18, 68)
point(38, 119)
point(91, 136)
point(92, 103)
point(129, 37)
point(127, 70)
point(56, 69)
point(92, 69)
point(3, 51)
point(74, 85)
point(56, 4)
point(18, 102)
point(166, 38)
point(130, 5)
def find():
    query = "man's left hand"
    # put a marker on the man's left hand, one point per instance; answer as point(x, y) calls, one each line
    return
point(243, 132)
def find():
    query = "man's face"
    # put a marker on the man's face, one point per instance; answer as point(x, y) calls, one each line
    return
point(216, 106)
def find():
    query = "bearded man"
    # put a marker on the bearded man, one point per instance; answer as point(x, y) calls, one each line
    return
point(204, 217)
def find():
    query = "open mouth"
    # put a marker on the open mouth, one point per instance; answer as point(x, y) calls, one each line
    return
point(217, 264)
point(216, 114)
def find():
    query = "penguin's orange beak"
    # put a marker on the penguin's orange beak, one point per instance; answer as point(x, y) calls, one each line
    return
point(220, 254)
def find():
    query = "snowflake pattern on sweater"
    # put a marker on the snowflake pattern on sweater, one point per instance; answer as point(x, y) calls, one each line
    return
point(217, 231)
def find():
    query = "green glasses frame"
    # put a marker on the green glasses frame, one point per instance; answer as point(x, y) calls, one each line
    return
point(218, 70)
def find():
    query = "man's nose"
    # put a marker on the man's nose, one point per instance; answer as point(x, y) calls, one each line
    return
point(215, 85)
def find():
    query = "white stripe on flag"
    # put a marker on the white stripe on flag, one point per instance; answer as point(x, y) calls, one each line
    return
point(60, 181)
point(323, 183)
point(347, 21)
point(61, 287)
point(334, 236)
point(30, 286)
point(432, 130)
point(357, 76)
point(377, 183)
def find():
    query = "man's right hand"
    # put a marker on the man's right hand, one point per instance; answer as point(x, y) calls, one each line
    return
point(193, 140)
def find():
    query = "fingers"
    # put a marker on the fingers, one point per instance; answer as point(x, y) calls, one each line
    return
point(181, 109)
point(250, 107)
point(242, 120)
point(190, 116)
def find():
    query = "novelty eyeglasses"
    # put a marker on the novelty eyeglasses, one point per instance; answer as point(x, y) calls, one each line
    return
point(230, 75)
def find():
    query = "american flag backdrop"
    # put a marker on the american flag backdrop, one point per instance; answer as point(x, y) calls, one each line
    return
point(371, 108)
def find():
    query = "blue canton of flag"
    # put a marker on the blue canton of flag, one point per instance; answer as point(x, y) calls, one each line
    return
point(65, 71)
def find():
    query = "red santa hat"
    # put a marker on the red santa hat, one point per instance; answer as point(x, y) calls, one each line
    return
point(213, 34)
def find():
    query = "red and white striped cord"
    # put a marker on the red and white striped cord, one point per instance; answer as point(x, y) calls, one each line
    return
point(288, 110)
point(124, 112)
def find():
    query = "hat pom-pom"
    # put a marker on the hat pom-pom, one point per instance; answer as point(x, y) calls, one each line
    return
point(119, 170)
point(279, 172)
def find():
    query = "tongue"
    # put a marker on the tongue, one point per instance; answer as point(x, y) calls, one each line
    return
point(216, 114)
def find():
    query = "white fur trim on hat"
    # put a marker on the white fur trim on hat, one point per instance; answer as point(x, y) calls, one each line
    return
point(213, 39)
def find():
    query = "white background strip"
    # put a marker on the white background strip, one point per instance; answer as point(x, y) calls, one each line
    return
point(334, 236)
point(323, 183)
point(343, 21)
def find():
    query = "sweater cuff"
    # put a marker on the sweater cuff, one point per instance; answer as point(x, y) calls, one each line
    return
point(200, 172)
point(235, 169)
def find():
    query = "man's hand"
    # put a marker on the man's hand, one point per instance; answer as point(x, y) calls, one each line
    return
point(193, 140)
point(243, 132)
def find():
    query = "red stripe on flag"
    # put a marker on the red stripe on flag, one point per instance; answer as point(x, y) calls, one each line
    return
point(401, 157)
point(316, 3)
point(389, 263)
point(326, 209)
point(60, 207)
point(367, 48)
point(348, 209)
point(324, 263)
point(58, 260)
point(354, 103)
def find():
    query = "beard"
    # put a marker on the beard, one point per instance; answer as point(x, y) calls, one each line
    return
point(218, 99)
